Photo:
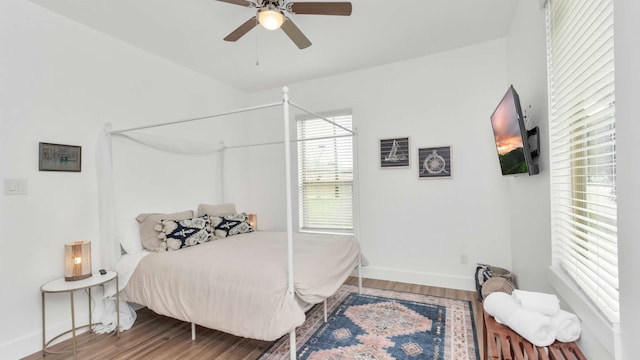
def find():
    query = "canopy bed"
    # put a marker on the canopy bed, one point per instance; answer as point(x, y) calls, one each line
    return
point(238, 284)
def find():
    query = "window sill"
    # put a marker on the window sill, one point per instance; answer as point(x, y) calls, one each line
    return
point(327, 232)
point(606, 332)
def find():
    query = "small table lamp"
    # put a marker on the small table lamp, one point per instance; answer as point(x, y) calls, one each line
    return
point(77, 260)
point(253, 221)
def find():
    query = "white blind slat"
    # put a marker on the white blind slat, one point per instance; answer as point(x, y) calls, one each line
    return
point(325, 175)
point(582, 146)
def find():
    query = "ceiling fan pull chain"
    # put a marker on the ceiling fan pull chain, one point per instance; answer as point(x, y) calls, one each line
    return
point(257, 52)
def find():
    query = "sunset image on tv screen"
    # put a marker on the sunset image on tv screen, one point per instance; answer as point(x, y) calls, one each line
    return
point(508, 138)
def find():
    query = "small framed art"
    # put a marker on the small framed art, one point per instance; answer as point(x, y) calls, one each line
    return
point(434, 162)
point(58, 157)
point(394, 153)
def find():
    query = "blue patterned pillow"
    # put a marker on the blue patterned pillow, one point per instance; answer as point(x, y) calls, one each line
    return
point(178, 234)
point(229, 225)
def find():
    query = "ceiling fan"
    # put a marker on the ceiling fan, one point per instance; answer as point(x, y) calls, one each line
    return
point(271, 15)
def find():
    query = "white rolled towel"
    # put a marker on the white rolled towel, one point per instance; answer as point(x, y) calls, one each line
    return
point(536, 328)
point(500, 305)
point(568, 326)
point(547, 304)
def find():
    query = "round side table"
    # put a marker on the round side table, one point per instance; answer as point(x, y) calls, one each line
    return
point(62, 286)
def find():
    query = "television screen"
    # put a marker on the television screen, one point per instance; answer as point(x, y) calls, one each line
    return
point(511, 136)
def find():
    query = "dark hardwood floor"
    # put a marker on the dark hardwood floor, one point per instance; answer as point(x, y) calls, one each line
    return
point(158, 337)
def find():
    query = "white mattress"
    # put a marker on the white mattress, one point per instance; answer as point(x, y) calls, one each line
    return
point(239, 284)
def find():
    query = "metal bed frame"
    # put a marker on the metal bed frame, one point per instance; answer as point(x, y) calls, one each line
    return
point(286, 104)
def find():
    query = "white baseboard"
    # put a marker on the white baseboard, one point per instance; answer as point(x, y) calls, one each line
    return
point(22, 347)
point(420, 278)
point(30, 344)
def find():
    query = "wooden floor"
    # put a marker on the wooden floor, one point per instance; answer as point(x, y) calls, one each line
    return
point(158, 337)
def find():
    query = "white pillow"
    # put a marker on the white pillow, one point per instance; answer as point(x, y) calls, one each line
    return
point(128, 234)
point(216, 210)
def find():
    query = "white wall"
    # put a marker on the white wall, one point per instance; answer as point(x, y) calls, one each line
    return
point(60, 82)
point(415, 230)
point(529, 195)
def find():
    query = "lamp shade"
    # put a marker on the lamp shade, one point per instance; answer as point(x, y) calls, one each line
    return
point(270, 19)
point(253, 221)
point(77, 260)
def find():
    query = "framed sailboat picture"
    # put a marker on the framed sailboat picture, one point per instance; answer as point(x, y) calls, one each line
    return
point(394, 153)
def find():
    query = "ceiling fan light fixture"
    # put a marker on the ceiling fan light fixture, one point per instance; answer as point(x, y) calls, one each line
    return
point(270, 19)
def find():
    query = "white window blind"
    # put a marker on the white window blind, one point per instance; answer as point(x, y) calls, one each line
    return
point(325, 175)
point(582, 147)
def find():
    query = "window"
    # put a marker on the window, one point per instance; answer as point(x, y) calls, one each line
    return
point(325, 175)
point(582, 147)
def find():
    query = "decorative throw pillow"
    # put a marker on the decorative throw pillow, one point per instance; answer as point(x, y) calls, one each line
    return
point(229, 225)
point(178, 234)
point(148, 224)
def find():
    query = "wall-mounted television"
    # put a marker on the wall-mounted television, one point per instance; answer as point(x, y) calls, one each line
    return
point(512, 138)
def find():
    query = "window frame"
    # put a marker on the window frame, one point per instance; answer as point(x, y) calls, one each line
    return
point(337, 134)
point(576, 157)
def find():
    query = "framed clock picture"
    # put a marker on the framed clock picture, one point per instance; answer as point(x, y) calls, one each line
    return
point(434, 162)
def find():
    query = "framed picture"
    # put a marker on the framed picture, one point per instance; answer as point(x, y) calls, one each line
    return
point(394, 153)
point(57, 157)
point(434, 162)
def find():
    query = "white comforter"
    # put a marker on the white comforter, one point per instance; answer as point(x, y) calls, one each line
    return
point(239, 284)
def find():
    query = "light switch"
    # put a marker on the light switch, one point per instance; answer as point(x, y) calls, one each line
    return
point(15, 186)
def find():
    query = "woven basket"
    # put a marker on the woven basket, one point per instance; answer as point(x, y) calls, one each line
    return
point(497, 284)
point(503, 273)
point(498, 271)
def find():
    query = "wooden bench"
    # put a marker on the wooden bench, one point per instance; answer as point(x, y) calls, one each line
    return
point(502, 343)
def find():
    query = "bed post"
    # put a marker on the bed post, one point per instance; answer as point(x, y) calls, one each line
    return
point(357, 206)
point(360, 274)
point(292, 344)
point(287, 160)
point(221, 172)
point(193, 331)
point(109, 245)
point(325, 309)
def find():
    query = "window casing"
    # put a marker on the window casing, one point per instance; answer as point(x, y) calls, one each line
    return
point(582, 147)
point(325, 175)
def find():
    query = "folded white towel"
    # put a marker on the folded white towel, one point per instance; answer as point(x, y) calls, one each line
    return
point(568, 326)
point(500, 305)
point(536, 328)
point(547, 304)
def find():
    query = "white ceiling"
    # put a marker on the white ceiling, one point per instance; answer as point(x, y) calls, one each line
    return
point(190, 33)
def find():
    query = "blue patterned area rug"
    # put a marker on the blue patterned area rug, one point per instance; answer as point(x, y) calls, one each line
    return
point(384, 325)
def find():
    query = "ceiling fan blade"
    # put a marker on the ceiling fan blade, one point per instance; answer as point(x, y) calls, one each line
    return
point(321, 8)
point(239, 2)
point(242, 30)
point(295, 34)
